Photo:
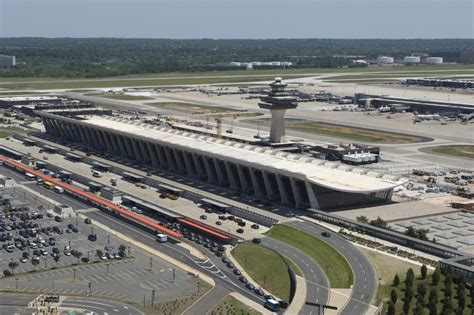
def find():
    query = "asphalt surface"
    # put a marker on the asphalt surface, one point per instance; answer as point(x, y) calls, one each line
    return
point(99, 306)
point(208, 301)
point(365, 277)
point(13, 304)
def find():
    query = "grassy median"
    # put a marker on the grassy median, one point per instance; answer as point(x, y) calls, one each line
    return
point(125, 97)
point(331, 261)
point(465, 151)
point(232, 306)
point(266, 267)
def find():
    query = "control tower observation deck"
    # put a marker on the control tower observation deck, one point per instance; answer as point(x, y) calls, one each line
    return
point(278, 101)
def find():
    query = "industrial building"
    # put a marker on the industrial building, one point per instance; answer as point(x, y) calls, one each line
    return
point(446, 83)
point(7, 61)
point(411, 59)
point(261, 172)
point(434, 60)
point(384, 60)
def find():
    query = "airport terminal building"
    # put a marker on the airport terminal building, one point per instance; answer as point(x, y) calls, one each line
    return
point(262, 172)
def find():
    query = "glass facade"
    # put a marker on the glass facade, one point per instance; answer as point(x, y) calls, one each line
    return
point(329, 199)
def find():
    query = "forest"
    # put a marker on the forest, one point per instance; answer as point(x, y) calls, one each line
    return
point(105, 57)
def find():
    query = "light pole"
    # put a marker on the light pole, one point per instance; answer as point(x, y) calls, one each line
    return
point(16, 279)
point(74, 270)
point(90, 288)
point(152, 297)
point(45, 260)
point(174, 274)
point(151, 263)
point(107, 269)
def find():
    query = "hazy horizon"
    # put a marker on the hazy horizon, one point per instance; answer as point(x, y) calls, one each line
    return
point(244, 19)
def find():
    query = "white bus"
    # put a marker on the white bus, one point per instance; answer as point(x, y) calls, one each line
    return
point(161, 238)
point(30, 176)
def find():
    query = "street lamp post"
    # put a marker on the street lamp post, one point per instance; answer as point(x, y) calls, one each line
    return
point(16, 279)
point(107, 269)
point(151, 263)
point(74, 270)
point(174, 274)
point(152, 297)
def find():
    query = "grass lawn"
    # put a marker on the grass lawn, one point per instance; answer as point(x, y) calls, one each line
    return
point(466, 151)
point(331, 261)
point(5, 132)
point(191, 108)
point(265, 266)
point(183, 78)
point(125, 97)
point(387, 267)
point(358, 134)
point(232, 306)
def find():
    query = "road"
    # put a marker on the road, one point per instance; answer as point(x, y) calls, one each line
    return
point(15, 304)
point(317, 283)
point(208, 301)
point(365, 277)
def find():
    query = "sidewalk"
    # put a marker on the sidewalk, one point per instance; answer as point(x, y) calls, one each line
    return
point(299, 299)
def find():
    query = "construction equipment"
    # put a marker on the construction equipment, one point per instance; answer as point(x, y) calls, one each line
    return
point(218, 117)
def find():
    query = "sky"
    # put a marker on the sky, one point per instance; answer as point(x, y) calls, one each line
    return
point(238, 18)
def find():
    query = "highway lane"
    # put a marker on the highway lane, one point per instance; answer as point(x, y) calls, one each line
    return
point(317, 283)
point(365, 277)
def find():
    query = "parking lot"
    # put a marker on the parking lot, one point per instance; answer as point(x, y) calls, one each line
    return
point(106, 269)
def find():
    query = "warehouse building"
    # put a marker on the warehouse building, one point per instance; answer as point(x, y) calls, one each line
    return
point(262, 172)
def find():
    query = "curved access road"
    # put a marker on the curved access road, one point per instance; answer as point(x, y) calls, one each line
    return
point(317, 283)
point(365, 277)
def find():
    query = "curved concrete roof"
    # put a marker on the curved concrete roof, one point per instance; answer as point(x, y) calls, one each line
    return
point(324, 173)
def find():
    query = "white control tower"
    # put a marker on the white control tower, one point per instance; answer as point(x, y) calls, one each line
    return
point(278, 101)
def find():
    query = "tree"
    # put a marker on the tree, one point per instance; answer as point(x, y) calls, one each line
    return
point(122, 248)
point(394, 296)
point(410, 277)
point(98, 253)
point(418, 310)
point(57, 258)
point(362, 219)
point(461, 292)
point(12, 265)
point(421, 289)
point(391, 309)
point(35, 262)
point(436, 276)
point(379, 223)
point(396, 280)
point(78, 255)
point(424, 271)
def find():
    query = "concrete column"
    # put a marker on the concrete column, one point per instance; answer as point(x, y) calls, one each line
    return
point(161, 156)
point(277, 130)
point(108, 143)
point(130, 148)
point(101, 140)
point(281, 188)
point(208, 167)
point(144, 151)
point(121, 143)
point(189, 164)
point(243, 180)
point(313, 201)
point(80, 129)
point(93, 138)
point(179, 161)
point(296, 193)
point(256, 187)
point(220, 176)
point(232, 180)
point(136, 150)
point(152, 153)
point(197, 166)
point(171, 159)
point(57, 129)
point(268, 186)
point(113, 142)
